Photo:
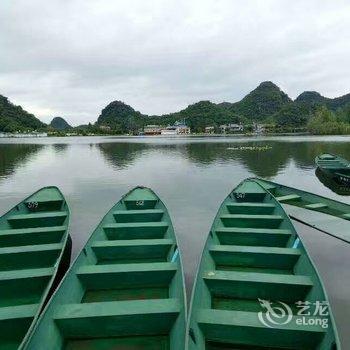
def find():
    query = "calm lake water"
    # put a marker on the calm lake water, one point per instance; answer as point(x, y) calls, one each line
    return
point(191, 175)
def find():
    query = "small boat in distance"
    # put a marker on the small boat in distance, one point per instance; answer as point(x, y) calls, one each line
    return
point(125, 290)
point(334, 166)
point(254, 278)
point(35, 250)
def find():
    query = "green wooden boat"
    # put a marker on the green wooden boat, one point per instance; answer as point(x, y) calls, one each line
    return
point(254, 270)
point(326, 215)
point(125, 290)
point(35, 252)
point(306, 200)
point(335, 167)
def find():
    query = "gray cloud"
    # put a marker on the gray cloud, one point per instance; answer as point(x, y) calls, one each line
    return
point(72, 57)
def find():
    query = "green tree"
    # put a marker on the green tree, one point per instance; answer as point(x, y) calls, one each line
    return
point(325, 122)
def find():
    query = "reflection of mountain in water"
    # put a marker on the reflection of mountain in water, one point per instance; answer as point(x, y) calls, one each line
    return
point(60, 148)
point(266, 163)
point(305, 153)
point(332, 184)
point(14, 155)
point(263, 163)
point(121, 155)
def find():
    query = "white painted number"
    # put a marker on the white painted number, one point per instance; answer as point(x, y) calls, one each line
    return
point(32, 205)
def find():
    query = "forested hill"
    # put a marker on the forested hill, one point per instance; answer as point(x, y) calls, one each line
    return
point(58, 123)
point(261, 103)
point(121, 118)
point(265, 104)
point(15, 118)
point(314, 98)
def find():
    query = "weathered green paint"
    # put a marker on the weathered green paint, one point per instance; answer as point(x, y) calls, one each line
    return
point(35, 252)
point(313, 204)
point(335, 167)
point(125, 290)
point(251, 255)
point(253, 236)
point(138, 230)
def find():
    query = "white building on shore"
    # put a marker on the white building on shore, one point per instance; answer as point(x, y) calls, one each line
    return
point(179, 128)
point(209, 129)
point(231, 128)
point(152, 130)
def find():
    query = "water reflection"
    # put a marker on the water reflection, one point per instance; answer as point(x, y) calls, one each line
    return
point(15, 155)
point(262, 163)
point(304, 153)
point(268, 163)
point(121, 155)
point(265, 163)
point(60, 148)
point(191, 175)
point(330, 183)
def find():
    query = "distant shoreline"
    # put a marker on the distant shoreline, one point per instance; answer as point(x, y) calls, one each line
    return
point(198, 135)
point(21, 136)
point(201, 135)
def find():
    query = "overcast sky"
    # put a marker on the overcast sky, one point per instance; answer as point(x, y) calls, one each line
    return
point(71, 58)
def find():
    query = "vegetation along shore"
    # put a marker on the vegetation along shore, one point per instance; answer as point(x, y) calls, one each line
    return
point(266, 109)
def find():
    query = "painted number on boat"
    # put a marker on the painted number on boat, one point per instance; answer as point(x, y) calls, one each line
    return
point(140, 203)
point(32, 205)
point(239, 195)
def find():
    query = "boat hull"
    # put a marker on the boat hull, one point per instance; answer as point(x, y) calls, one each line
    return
point(332, 184)
point(35, 250)
point(335, 167)
point(253, 263)
point(125, 289)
